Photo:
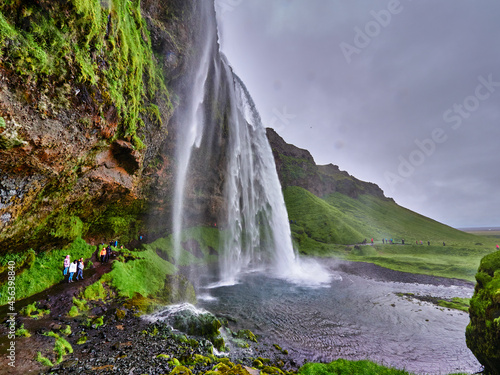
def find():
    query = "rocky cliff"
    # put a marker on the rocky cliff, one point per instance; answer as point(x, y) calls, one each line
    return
point(296, 167)
point(88, 93)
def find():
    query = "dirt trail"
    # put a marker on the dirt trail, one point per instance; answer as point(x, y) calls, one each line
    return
point(58, 299)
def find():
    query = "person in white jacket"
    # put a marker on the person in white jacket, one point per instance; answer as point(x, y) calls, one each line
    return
point(72, 270)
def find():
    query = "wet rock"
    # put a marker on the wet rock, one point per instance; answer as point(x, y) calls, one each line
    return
point(122, 345)
point(69, 363)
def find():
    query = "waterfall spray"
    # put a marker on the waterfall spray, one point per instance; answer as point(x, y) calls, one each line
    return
point(192, 119)
point(256, 232)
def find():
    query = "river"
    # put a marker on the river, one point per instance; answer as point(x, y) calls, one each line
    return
point(364, 312)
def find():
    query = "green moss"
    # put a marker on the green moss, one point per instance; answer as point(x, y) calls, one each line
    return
point(257, 363)
point(68, 228)
point(43, 360)
point(246, 334)
point(120, 314)
point(106, 49)
point(483, 332)
point(344, 367)
point(94, 292)
point(227, 368)
point(66, 330)
point(140, 303)
point(46, 269)
point(22, 332)
point(73, 311)
point(33, 312)
point(80, 304)
point(98, 322)
point(270, 370)
point(61, 347)
point(145, 276)
point(81, 340)
point(181, 370)
point(456, 303)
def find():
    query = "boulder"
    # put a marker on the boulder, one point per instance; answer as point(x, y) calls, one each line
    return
point(483, 332)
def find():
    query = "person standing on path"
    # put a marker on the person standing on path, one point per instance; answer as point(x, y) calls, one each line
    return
point(103, 254)
point(79, 273)
point(66, 264)
point(72, 270)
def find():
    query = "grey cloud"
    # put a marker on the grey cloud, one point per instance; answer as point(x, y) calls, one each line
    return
point(366, 114)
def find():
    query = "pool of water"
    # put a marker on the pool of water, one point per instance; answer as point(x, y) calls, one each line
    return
point(352, 317)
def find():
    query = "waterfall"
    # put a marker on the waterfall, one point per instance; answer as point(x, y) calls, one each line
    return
point(255, 229)
point(192, 116)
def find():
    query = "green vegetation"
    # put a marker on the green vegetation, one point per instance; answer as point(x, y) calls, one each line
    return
point(150, 271)
point(61, 346)
point(81, 340)
point(93, 292)
point(43, 360)
point(22, 332)
point(341, 367)
point(456, 303)
point(345, 367)
point(320, 225)
point(73, 311)
point(144, 275)
point(46, 270)
point(33, 311)
point(66, 330)
point(483, 332)
point(106, 49)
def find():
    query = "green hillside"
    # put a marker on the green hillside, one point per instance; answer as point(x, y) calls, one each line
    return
point(324, 227)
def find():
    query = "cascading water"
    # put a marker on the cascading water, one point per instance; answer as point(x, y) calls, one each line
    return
point(192, 116)
point(258, 233)
point(255, 228)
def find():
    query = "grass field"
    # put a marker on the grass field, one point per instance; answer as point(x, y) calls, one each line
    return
point(323, 227)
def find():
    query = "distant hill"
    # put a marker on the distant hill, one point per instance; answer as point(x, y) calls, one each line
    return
point(296, 167)
point(329, 206)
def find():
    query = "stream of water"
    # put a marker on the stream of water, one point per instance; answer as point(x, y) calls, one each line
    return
point(352, 317)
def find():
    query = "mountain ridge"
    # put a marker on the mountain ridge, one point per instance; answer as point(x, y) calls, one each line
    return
point(296, 167)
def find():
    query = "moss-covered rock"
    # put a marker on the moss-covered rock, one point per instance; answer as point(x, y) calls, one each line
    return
point(204, 325)
point(246, 334)
point(483, 332)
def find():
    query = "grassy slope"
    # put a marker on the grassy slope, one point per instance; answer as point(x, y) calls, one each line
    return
point(143, 272)
point(319, 225)
point(45, 271)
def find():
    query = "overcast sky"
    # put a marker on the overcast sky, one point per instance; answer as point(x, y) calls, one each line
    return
point(405, 94)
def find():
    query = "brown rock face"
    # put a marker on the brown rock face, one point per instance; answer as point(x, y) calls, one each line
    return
point(296, 167)
point(66, 168)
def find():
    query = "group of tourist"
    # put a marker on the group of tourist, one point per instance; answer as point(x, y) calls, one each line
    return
point(105, 252)
point(77, 266)
point(70, 268)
